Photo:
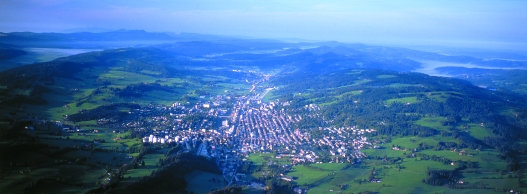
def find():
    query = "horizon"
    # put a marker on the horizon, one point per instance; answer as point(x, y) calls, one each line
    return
point(447, 49)
point(468, 24)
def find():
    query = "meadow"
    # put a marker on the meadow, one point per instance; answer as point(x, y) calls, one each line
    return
point(403, 177)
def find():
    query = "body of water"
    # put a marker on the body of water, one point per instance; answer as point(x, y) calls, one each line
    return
point(49, 54)
point(430, 67)
point(39, 55)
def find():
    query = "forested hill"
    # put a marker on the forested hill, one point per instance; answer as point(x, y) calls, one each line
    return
point(294, 60)
point(8, 51)
point(133, 60)
point(397, 104)
point(227, 54)
point(208, 50)
point(341, 81)
point(512, 80)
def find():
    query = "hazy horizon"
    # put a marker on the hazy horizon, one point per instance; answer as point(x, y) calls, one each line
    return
point(468, 24)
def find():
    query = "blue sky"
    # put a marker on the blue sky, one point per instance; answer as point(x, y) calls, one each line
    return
point(482, 23)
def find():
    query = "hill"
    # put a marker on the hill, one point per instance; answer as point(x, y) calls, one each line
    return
point(330, 116)
point(417, 119)
point(119, 35)
point(8, 51)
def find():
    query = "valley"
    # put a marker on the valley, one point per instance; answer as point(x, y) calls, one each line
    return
point(251, 116)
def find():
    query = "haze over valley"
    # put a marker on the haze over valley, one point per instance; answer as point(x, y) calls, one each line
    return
point(263, 97)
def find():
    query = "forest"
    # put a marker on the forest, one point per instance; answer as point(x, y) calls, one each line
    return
point(445, 127)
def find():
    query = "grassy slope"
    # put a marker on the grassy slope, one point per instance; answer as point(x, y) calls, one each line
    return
point(408, 179)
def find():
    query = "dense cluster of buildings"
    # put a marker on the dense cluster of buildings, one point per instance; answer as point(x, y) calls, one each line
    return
point(249, 126)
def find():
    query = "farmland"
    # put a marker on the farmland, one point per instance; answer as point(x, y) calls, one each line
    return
point(123, 118)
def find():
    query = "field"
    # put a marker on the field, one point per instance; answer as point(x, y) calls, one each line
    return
point(323, 178)
point(406, 174)
point(475, 130)
point(433, 122)
point(404, 100)
point(86, 91)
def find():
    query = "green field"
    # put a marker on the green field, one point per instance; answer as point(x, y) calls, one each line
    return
point(404, 100)
point(406, 175)
point(433, 122)
point(326, 177)
point(68, 96)
point(478, 131)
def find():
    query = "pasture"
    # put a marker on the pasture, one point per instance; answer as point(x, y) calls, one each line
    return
point(404, 100)
point(406, 175)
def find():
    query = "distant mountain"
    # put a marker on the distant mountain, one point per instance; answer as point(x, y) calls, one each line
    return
point(188, 50)
point(101, 39)
point(101, 35)
point(194, 45)
point(89, 29)
point(185, 36)
point(3, 45)
point(119, 35)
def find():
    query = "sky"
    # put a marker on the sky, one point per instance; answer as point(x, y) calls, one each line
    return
point(469, 23)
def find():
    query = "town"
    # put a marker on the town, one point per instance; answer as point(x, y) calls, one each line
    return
point(230, 128)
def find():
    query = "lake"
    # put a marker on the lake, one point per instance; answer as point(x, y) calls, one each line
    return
point(429, 67)
point(38, 55)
